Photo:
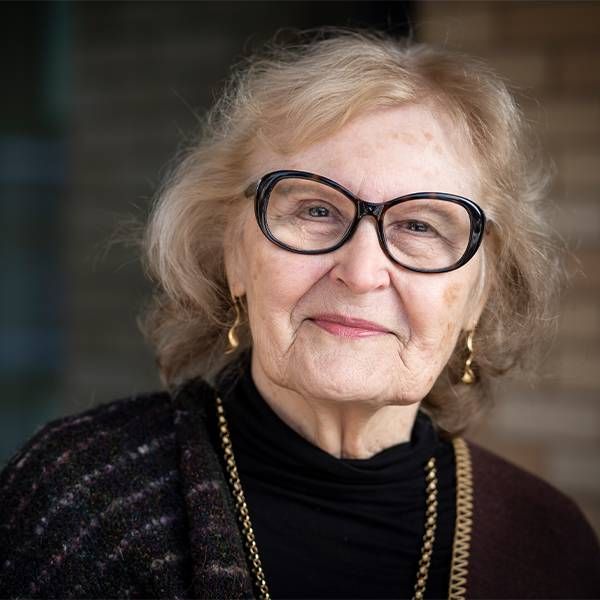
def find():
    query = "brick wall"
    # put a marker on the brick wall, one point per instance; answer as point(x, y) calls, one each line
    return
point(551, 53)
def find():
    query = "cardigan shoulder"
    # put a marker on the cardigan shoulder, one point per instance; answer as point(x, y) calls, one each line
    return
point(86, 496)
point(60, 448)
point(530, 540)
point(51, 439)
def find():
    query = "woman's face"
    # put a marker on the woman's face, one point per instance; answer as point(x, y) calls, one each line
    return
point(292, 297)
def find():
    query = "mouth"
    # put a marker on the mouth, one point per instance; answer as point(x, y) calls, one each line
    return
point(348, 327)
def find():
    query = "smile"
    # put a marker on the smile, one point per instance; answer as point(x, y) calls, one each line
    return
point(348, 328)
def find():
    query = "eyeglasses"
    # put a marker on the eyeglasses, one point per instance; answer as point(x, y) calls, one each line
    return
point(427, 232)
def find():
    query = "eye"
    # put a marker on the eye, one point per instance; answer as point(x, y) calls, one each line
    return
point(318, 211)
point(417, 226)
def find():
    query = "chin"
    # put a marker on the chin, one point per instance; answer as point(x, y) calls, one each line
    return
point(338, 375)
point(346, 391)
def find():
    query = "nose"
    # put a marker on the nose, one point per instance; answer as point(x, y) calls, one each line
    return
point(360, 263)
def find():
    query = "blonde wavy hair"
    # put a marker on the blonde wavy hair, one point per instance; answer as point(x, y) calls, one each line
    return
point(314, 86)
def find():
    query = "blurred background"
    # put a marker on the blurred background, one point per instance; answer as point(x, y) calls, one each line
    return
point(97, 98)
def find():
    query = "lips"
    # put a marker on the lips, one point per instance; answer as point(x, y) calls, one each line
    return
point(347, 326)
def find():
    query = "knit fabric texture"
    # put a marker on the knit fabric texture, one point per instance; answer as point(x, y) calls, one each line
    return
point(130, 500)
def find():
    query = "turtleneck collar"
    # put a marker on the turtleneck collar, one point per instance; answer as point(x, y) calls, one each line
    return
point(266, 446)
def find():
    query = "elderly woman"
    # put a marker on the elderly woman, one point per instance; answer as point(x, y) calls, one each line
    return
point(346, 258)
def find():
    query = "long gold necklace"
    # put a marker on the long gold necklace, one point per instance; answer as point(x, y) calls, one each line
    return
point(250, 541)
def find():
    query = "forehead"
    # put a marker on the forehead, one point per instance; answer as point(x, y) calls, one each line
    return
point(386, 153)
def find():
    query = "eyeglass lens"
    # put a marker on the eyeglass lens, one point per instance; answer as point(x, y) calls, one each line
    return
point(425, 233)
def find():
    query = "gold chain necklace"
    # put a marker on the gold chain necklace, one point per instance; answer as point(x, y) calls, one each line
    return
point(250, 541)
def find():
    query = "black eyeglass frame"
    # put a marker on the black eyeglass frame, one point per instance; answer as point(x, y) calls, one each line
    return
point(262, 191)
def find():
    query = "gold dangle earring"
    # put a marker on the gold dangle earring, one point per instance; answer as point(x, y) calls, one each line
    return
point(232, 337)
point(468, 376)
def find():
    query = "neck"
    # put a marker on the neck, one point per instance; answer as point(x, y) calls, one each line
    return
point(357, 430)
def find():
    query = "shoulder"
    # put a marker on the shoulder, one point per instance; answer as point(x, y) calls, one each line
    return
point(62, 446)
point(531, 529)
point(511, 490)
point(67, 496)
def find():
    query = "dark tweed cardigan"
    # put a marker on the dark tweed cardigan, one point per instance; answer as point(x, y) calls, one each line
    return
point(129, 500)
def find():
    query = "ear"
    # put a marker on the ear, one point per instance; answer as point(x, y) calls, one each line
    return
point(479, 297)
point(235, 268)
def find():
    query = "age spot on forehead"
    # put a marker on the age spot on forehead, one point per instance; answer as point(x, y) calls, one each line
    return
point(404, 136)
point(437, 148)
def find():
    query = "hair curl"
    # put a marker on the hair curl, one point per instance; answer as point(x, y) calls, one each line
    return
point(315, 86)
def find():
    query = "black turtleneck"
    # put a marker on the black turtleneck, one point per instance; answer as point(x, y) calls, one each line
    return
point(337, 528)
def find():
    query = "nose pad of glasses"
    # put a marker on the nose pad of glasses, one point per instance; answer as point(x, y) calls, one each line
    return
point(371, 210)
point(367, 208)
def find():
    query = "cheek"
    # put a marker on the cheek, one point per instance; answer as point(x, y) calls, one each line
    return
point(437, 309)
point(454, 303)
point(279, 281)
point(451, 295)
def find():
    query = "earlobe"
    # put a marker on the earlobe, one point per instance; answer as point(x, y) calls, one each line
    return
point(233, 271)
point(474, 314)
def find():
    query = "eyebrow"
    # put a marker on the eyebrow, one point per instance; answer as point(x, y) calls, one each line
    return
point(288, 187)
point(431, 209)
